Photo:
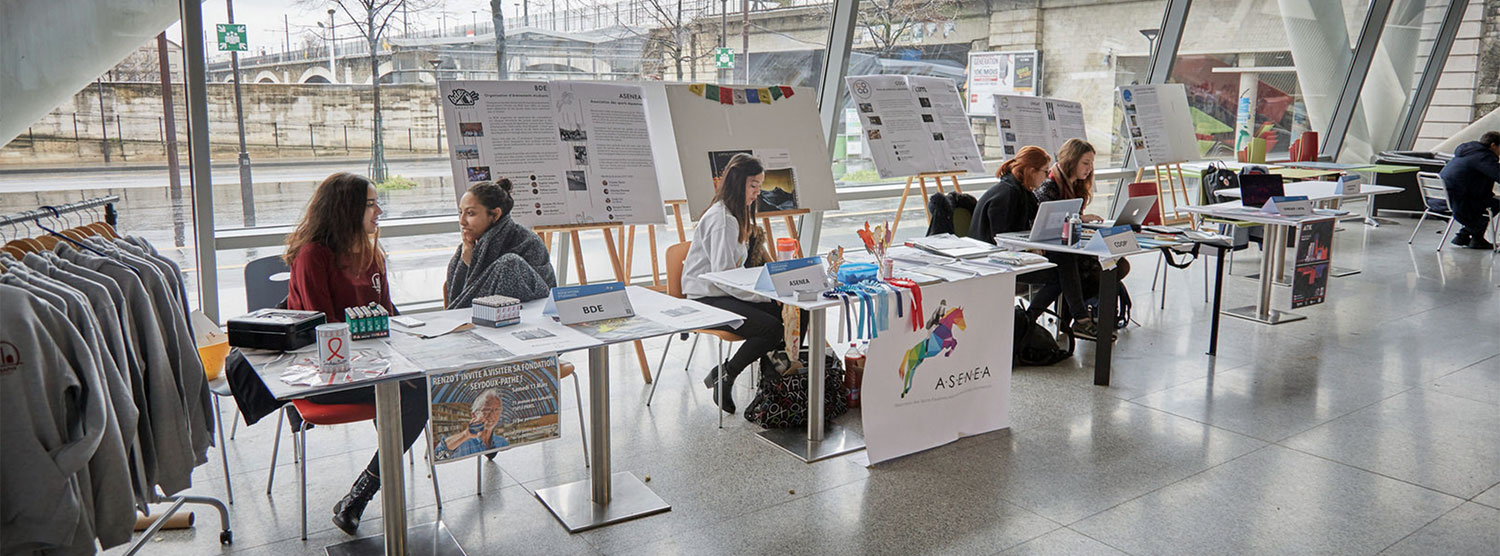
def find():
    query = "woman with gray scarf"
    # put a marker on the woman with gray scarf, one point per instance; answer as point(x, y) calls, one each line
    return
point(498, 255)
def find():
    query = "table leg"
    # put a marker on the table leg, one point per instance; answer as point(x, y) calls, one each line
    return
point(820, 442)
point(1262, 312)
point(1109, 293)
point(1213, 330)
point(426, 539)
point(605, 497)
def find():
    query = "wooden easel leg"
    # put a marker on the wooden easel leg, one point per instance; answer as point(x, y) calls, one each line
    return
point(624, 277)
point(923, 182)
point(955, 184)
point(583, 278)
point(677, 215)
point(630, 252)
point(765, 225)
point(547, 240)
point(791, 232)
point(901, 208)
point(655, 267)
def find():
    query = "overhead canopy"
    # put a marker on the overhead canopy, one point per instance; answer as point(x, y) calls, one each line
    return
point(49, 49)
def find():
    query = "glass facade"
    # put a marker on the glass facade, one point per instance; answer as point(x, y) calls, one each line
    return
point(1255, 71)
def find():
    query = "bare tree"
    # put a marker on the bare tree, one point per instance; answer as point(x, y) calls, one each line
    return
point(498, 17)
point(668, 33)
point(889, 22)
point(373, 18)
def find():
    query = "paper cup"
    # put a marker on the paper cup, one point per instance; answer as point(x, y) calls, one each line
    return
point(334, 346)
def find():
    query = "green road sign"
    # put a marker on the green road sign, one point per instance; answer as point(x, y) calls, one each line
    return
point(724, 58)
point(232, 37)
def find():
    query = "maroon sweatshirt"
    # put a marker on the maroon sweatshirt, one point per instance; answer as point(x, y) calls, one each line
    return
point(318, 284)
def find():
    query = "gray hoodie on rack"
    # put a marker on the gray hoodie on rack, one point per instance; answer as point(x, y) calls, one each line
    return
point(107, 492)
point(169, 417)
point(52, 417)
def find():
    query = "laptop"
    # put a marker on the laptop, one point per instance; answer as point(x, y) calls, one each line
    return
point(1256, 189)
point(1133, 213)
point(1051, 217)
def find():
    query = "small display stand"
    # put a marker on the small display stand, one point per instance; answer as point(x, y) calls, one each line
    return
point(1176, 185)
point(937, 180)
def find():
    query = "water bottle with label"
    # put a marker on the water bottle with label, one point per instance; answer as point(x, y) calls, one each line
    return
point(1075, 223)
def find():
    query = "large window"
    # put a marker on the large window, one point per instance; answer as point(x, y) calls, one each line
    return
point(1391, 84)
point(1285, 61)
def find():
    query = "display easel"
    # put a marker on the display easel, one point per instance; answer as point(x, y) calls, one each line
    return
point(787, 217)
point(937, 180)
point(1176, 183)
point(616, 248)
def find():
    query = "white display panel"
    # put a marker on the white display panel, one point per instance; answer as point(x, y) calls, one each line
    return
point(1158, 124)
point(785, 133)
point(1039, 121)
point(575, 152)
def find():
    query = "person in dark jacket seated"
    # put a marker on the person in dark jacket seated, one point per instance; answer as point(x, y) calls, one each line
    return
point(1011, 206)
point(498, 256)
point(1072, 177)
point(1470, 180)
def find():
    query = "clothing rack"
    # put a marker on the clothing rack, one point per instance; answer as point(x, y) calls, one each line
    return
point(153, 495)
point(107, 201)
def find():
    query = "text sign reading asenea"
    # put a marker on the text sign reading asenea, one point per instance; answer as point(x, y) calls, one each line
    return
point(792, 276)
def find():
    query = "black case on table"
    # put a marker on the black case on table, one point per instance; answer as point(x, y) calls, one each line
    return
point(275, 329)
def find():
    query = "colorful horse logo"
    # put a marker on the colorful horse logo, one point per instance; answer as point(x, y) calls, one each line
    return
point(939, 340)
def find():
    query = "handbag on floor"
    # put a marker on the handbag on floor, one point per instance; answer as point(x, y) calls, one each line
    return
point(781, 401)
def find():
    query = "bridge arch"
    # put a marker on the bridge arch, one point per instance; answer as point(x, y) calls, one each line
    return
point(266, 76)
point(316, 74)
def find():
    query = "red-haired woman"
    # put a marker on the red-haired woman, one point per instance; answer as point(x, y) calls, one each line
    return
point(1011, 206)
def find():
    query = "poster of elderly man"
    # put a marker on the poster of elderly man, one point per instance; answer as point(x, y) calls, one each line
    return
point(492, 408)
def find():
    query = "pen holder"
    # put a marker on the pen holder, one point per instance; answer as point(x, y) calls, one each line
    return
point(887, 267)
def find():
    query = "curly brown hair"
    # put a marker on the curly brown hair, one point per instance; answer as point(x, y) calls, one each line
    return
point(335, 219)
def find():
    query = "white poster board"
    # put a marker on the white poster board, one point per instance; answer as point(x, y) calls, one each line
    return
point(913, 125)
point(575, 152)
point(1001, 73)
point(1040, 121)
point(1158, 124)
point(784, 132)
point(950, 379)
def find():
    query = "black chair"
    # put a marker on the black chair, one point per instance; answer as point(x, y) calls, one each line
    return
point(266, 282)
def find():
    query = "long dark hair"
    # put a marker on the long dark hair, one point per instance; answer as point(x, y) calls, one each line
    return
point(1071, 185)
point(732, 191)
point(336, 219)
point(494, 195)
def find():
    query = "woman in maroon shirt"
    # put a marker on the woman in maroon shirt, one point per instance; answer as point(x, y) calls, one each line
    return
point(337, 263)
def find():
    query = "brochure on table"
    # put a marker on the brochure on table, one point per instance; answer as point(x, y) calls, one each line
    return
point(946, 379)
point(913, 125)
point(1044, 122)
point(1158, 124)
point(575, 152)
point(492, 408)
point(1001, 73)
point(1314, 255)
point(711, 124)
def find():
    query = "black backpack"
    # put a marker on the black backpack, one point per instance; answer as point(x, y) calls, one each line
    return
point(1218, 177)
point(1034, 345)
point(1122, 307)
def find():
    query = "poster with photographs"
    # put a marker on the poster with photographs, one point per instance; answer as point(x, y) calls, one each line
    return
point(492, 408)
point(784, 132)
point(575, 153)
point(914, 125)
point(1159, 124)
point(1314, 255)
point(1040, 121)
point(1001, 73)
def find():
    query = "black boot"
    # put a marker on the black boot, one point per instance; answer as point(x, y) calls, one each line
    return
point(1461, 238)
point(1478, 242)
point(724, 399)
point(347, 512)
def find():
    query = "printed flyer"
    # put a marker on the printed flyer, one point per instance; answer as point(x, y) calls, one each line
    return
point(492, 408)
point(1040, 121)
point(914, 125)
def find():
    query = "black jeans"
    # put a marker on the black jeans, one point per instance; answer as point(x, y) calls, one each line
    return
point(413, 411)
point(1062, 281)
point(762, 330)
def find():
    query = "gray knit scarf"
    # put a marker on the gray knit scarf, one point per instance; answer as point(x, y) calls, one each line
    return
point(509, 259)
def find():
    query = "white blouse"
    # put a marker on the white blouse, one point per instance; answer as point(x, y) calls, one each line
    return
point(716, 247)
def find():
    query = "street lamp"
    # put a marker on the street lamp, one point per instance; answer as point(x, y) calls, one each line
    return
point(333, 76)
point(474, 20)
point(1150, 35)
point(435, 62)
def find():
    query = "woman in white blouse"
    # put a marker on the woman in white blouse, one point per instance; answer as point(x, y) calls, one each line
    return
point(723, 240)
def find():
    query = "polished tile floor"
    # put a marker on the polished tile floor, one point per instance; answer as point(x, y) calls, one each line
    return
point(1372, 427)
